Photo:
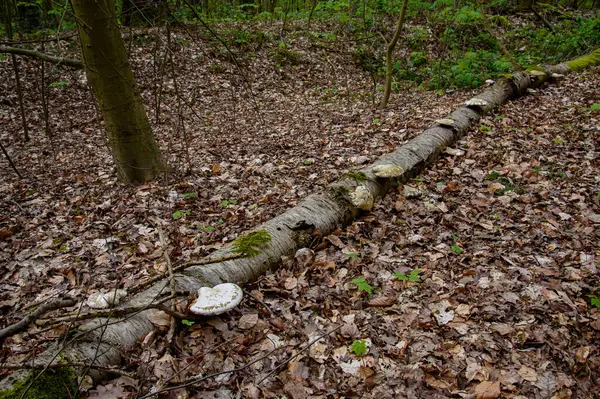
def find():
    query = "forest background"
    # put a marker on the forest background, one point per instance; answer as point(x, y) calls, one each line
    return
point(252, 106)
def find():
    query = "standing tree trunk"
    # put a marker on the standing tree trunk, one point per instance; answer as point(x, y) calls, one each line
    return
point(9, 31)
point(389, 54)
point(110, 77)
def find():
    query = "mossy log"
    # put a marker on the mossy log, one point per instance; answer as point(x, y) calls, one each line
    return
point(102, 342)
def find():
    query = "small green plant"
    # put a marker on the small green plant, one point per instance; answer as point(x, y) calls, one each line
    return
point(179, 214)
point(226, 203)
point(595, 301)
point(359, 347)
point(595, 107)
point(189, 195)
point(308, 161)
point(493, 175)
point(62, 84)
point(252, 243)
point(376, 121)
point(485, 128)
point(188, 323)
point(352, 255)
point(362, 285)
point(456, 249)
point(412, 276)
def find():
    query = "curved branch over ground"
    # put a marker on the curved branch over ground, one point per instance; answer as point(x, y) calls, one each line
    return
point(42, 56)
point(337, 205)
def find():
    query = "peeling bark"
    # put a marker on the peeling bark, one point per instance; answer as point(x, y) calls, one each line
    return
point(323, 212)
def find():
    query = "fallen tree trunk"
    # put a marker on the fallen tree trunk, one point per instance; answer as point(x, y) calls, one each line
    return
point(42, 56)
point(102, 341)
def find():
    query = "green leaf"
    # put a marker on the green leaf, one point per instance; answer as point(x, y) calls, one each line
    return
point(595, 301)
point(178, 214)
point(362, 285)
point(352, 255)
point(456, 249)
point(189, 195)
point(412, 276)
point(493, 175)
point(359, 347)
point(226, 203)
point(62, 84)
point(188, 323)
point(595, 107)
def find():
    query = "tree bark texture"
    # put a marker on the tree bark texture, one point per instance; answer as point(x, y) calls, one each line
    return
point(110, 77)
point(102, 341)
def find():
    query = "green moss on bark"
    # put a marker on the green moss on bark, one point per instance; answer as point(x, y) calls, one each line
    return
point(586, 61)
point(60, 383)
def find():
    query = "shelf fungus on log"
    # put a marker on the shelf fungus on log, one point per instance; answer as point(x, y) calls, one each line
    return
point(445, 122)
point(476, 102)
point(98, 300)
point(388, 170)
point(362, 198)
point(535, 72)
point(216, 300)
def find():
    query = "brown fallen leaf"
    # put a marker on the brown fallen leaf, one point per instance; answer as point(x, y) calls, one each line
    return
point(248, 321)
point(382, 301)
point(487, 390)
point(528, 374)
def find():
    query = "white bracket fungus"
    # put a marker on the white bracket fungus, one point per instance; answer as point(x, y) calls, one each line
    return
point(98, 300)
point(388, 170)
point(535, 72)
point(445, 122)
point(362, 198)
point(476, 102)
point(219, 299)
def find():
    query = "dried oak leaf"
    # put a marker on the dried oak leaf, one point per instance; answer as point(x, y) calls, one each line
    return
point(382, 301)
point(487, 390)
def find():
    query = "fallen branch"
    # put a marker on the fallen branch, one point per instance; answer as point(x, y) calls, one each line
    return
point(37, 366)
point(42, 56)
point(114, 312)
point(10, 162)
point(33, 316)
point(336, 206)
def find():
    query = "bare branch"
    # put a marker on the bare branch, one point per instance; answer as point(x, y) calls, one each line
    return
point(44, 57)
point(33, 316)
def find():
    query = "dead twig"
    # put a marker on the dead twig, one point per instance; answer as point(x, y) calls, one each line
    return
point(194, 381)
point(12, 165)
point(118, 312)
point(33, 316)
point(38, 366)
point(306, 347)
point(172, 283)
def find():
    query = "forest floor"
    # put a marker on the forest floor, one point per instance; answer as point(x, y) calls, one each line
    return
point(502, 234)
